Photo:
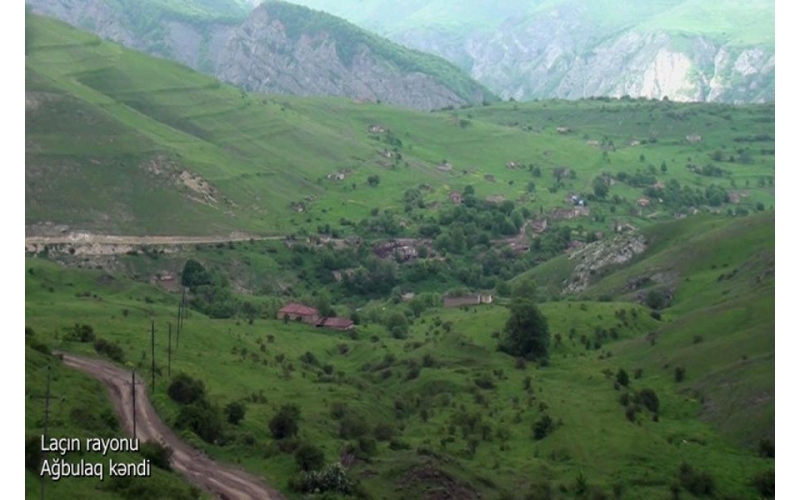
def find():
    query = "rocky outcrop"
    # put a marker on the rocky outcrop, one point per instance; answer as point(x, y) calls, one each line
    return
point(264, 52)
point(600, 254)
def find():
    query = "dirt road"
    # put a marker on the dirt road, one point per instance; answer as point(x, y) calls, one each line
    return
point(225, 481)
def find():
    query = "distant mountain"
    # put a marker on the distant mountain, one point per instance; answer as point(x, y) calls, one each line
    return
point(276, 48)
point(690, 50)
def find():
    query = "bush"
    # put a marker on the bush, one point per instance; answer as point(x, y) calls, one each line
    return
point(202, 418)
point(158, 454)
point(309, 457)
point(680, 373)
point(285, 423)
point(397, 444)
point(764, 482)
point(352, 426)
point(622, 378)
point(80, 333)
point(697, 483)
point(542, 427)
point(630, 412)
point(186, 390)
point(234, 412)
point(111, 350)
point(384, 432)
point(332, 478)
point(649, 399)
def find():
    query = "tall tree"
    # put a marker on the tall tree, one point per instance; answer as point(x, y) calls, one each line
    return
point(526, 333)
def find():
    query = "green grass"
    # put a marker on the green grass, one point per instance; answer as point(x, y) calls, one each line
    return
point(700, 420)
point(79, 408)
point(101, 114)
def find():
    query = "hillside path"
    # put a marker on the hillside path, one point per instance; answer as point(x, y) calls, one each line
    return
point(226, 482)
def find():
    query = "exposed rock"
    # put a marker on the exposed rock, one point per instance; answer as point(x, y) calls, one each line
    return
point(599, 254)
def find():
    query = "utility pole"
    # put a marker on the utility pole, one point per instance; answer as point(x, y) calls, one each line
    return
point(133, 396)
point(169, 351)
point(46, 421)
point(153, 355)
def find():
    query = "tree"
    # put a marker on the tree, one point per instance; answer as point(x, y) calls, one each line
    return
point(663, 167)
point(234, 412)
point(373, 180)
point(194, 274)
point(527, 333)
point(284, 423)
point(186, 390)
point(600, 187)
point(309, 457)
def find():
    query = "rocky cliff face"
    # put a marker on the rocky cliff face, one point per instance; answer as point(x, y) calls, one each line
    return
point(558, 54)
point(259, 55)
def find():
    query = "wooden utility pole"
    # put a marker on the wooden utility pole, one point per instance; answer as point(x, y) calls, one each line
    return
point(153, 355)
point(133, 396)
point(169, 351)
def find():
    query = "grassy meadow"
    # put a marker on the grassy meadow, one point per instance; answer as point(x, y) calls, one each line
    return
point(466, 412)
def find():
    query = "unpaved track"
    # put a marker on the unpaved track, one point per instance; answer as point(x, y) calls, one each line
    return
point(225, 481)
point(107, 239)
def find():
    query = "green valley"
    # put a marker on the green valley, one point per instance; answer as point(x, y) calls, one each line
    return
point(548, 299)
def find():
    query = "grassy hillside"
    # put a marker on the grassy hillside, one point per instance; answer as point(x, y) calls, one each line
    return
point(442, 410)
point(221, 160)
point(80, 409)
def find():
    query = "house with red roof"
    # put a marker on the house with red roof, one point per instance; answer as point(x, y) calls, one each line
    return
point(299, 312)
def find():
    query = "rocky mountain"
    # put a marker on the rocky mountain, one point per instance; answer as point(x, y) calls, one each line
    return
point(275, 48)
point(687, 50)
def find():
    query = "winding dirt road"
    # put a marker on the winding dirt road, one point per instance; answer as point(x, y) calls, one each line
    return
point(225, 481)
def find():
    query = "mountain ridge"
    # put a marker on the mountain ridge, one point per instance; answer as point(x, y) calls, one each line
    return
point(256, 52)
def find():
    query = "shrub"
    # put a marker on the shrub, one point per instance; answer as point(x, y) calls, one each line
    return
point(285, 423)
point(637, 374)
point(202, 418)
point(352, 426)
point(80, 333)
point(398, 444)
point(622, 378)
point(630, 412)
point(309, 457)
point(680, 373)
point(186, 390)
point(697, 483)
point(542, 427)
point(384, 432)
point(111, 350)
point(331, 478)
point(234, 412)
point(158, 454)
point(765, 483)
point(649, 399)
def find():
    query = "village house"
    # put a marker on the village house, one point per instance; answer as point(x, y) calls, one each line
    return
point(693, 138)
point(299, 312)
point(467, 300)
point(455, 197)
point(562, 130)
point(336, 323)
point(377, 129)
point(643, 202)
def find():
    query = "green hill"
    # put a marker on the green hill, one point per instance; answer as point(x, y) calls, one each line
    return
point(165, 150)
point(431, 411)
